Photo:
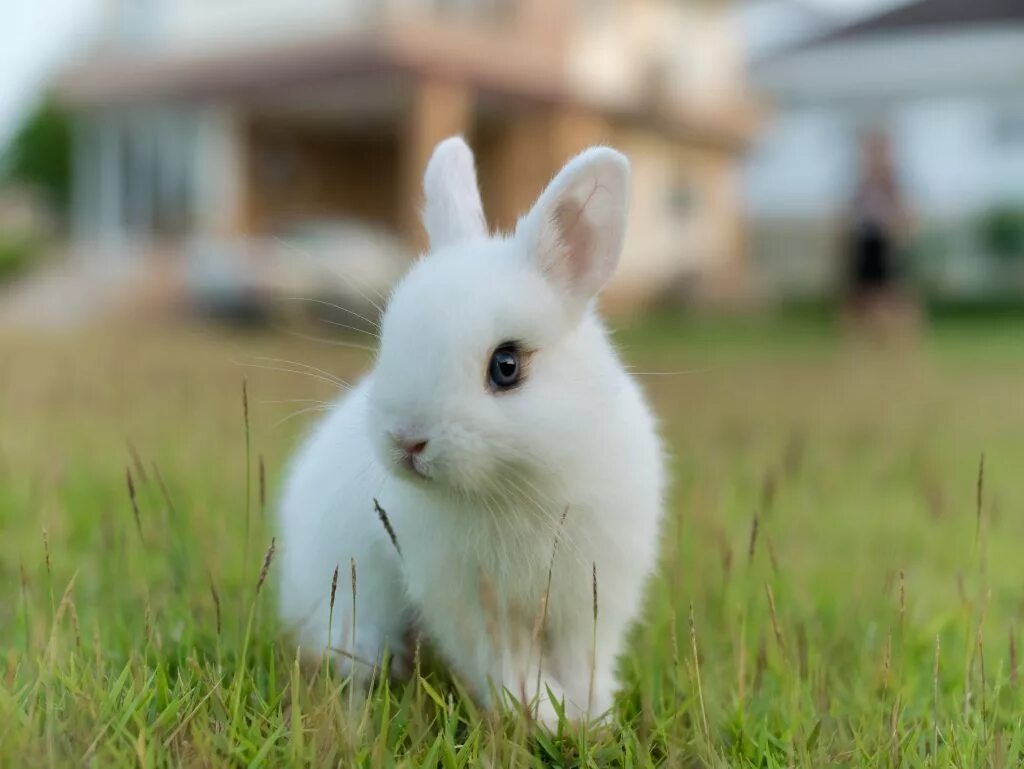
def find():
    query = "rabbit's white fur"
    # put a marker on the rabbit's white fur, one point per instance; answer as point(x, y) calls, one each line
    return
point(477, 535)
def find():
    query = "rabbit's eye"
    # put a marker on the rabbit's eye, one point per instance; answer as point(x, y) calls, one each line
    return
point(505, 369)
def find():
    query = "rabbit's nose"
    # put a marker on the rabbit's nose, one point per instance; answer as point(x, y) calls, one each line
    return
point(410, 446)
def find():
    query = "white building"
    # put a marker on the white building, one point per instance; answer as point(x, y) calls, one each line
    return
point(945, 80)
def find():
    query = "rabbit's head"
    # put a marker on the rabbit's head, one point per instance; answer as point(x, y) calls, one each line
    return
point(491, 363)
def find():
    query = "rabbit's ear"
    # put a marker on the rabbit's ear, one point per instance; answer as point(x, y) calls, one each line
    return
point(452, 212)
point(576, 227)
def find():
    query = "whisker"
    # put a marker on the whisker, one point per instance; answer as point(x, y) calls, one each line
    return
point(358, 330)
point(325, 340)
point(306, 366)
point(310, 409)
point(332, 382)
point(334, 306)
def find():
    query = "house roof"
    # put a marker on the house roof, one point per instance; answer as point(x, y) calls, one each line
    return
point(924, 15)
point(251, 73)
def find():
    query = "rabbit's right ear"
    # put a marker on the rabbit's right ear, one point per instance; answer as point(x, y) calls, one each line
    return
point(452, 212)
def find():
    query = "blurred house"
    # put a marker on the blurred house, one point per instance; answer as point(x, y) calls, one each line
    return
point(944, 79)
point(237, 123)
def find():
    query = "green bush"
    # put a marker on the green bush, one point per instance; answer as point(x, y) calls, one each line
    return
point(15, 254)
point(1002, 232)
point(39, 156)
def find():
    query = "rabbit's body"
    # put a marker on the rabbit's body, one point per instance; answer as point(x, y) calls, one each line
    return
point(565, 460)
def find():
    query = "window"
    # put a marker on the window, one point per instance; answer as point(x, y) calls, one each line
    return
point(1008, 126)
point(681, 199)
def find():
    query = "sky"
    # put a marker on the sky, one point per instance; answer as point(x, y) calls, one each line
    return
point(36, 36)
point(40, 36)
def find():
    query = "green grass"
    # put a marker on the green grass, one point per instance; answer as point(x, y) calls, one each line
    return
point(851, 603)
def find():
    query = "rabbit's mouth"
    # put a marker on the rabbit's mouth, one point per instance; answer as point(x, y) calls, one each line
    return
point(412, 464)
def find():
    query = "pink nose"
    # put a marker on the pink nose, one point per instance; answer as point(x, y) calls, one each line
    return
point(411, 446)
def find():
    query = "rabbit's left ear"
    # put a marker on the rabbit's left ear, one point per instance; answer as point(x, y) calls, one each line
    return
point(452, 212)
point(575, 229)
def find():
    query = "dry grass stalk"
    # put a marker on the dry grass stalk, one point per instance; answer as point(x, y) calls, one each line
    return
point(355, 594)
point(352, 637)
point(147, 623)
point(775, 619)
point(768, 487)
point(140, 469)
point(886, 662)
point(981, 664)
point(386, 521)
point(772, 558)
point(903, 600)
point(76, 628)
point(62, 608)
point(163, 490)
point(263, 488)
point(542, 611)
point(24, 607)
point(895, 750)
point(741, 664)
point(1013, 657)
point(248, 471)
point(696, 669)
point(979, 494)
point(760, 664)
point(135, 502)
point(935, 696)
point(593, 643)
point(96, 646)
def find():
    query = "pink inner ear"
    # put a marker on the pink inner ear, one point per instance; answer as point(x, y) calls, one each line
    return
point(575, 236)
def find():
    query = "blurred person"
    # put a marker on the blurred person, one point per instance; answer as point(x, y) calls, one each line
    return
point(877, 229)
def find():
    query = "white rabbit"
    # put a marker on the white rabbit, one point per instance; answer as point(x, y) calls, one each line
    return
point(497, 419)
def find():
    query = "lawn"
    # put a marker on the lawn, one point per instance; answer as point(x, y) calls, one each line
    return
point(839, 584)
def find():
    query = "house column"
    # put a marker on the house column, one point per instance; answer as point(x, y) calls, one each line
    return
point(438, 109)
point(220, 174)
point(85, 176)
point(109, 180)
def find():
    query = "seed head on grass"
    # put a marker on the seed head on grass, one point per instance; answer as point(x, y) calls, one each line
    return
point(267, 559)
point(46, 551)
point(216, 601)
point(334, 589)
point(752, 546)
point(383, 515)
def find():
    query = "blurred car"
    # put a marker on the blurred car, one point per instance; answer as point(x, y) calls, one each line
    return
point(338, 271)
